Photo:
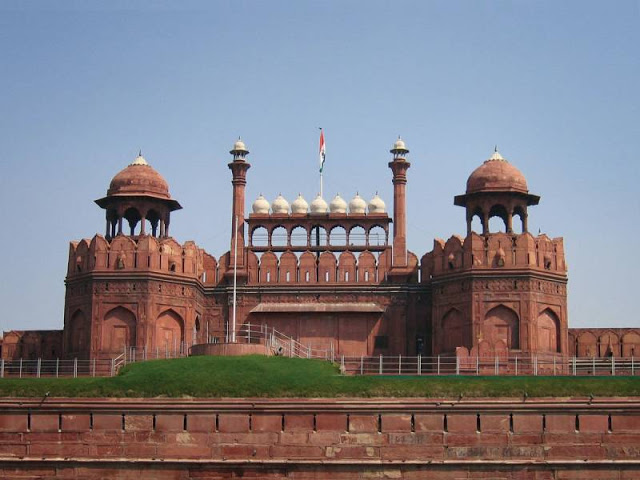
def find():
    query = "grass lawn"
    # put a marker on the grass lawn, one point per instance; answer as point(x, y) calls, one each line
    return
point(259, 376)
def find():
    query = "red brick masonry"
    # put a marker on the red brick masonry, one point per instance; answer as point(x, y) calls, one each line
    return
point(564, 438)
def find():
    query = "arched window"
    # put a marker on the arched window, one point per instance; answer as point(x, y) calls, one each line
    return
point(299, 237)
point(318, 236)
point(279, 237)
point(259, 237)
point(357, 236)
point(338, 236)
point(377, 236)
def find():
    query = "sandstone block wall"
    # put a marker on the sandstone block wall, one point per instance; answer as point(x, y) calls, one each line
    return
point(317, 439)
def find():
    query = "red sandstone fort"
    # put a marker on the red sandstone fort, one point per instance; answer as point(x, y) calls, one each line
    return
point(324, 274)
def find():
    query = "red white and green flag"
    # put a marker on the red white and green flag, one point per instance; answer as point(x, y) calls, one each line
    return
point(322, 150)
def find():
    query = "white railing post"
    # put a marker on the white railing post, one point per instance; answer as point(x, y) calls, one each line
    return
point(248, 332)
point(399, 364)
point(20, 367)
point(75, 367)
point(57, 366)
point(342, 363)
point(613, 366)
point(535, 365)
point(380, 369)
point(574, 366)
point(554, 365)
point(291, 347)
point(361, 365)
point(2, 368)
point(38, 368)
point(457, 365)
point(632, 369)
point(419, 364)
point(496, 365)
point(593, 361)
point(477, 365)
point(309, 351)
point(516, 365)
point(438, 365)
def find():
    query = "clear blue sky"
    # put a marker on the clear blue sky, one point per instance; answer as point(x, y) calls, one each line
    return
point(84, 85)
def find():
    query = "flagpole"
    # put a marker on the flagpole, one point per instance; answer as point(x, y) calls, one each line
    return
point(321, 154)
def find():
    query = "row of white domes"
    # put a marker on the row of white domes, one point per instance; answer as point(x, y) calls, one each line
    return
point(357, 205)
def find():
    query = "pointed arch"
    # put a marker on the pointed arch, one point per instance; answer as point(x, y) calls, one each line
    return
point(548, 329)
point(169, 330)
point(502, 323)
point(118, 330)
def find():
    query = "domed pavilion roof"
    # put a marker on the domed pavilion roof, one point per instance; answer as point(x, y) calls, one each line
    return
point(139, 179)
point(496, 175)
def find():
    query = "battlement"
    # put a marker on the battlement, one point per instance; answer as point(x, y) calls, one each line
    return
point(141, 253)
point(494, 251)
point(310, 268)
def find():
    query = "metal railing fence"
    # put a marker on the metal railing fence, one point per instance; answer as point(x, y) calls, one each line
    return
point(496, 365)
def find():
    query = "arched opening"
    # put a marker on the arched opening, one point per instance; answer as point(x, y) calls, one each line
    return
point(476, 222)
point(357, 236)
point(279, 237)
point(169, 331)
point(299, 237)
point(118, 330)
point(132, 216)
point(259, 237)
point(112, 223)
point(587, 345)
point(338, 236)
point(502, 323)
point(456, 332)
point(548, 332)
point(630, 344)
point(497, 219)
point(520, 225)
point(377, 236)
point(318, 236)
point(609, 345)
point(153, 220)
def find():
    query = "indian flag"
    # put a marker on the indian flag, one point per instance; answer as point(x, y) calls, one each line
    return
point(322, 150)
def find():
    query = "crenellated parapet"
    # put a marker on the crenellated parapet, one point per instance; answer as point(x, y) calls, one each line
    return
point(143, 253)
point(494, 252)
point(310, 268)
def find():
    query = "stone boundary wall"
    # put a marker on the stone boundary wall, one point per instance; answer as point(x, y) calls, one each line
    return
point(522, 439)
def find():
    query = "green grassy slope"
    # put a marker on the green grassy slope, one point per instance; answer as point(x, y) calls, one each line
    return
point(258, 376)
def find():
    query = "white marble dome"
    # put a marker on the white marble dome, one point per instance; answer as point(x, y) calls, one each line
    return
point(299, 205)
point(338, 205)
point(377, 205)
point(261, 205)
point(280, 206)
point(319, 205)
point(357, 205)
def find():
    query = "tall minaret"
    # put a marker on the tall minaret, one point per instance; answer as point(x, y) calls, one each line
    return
point(399, 167)
point(239, 167)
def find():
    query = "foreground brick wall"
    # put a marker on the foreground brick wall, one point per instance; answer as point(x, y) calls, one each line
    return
point(204, 439)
